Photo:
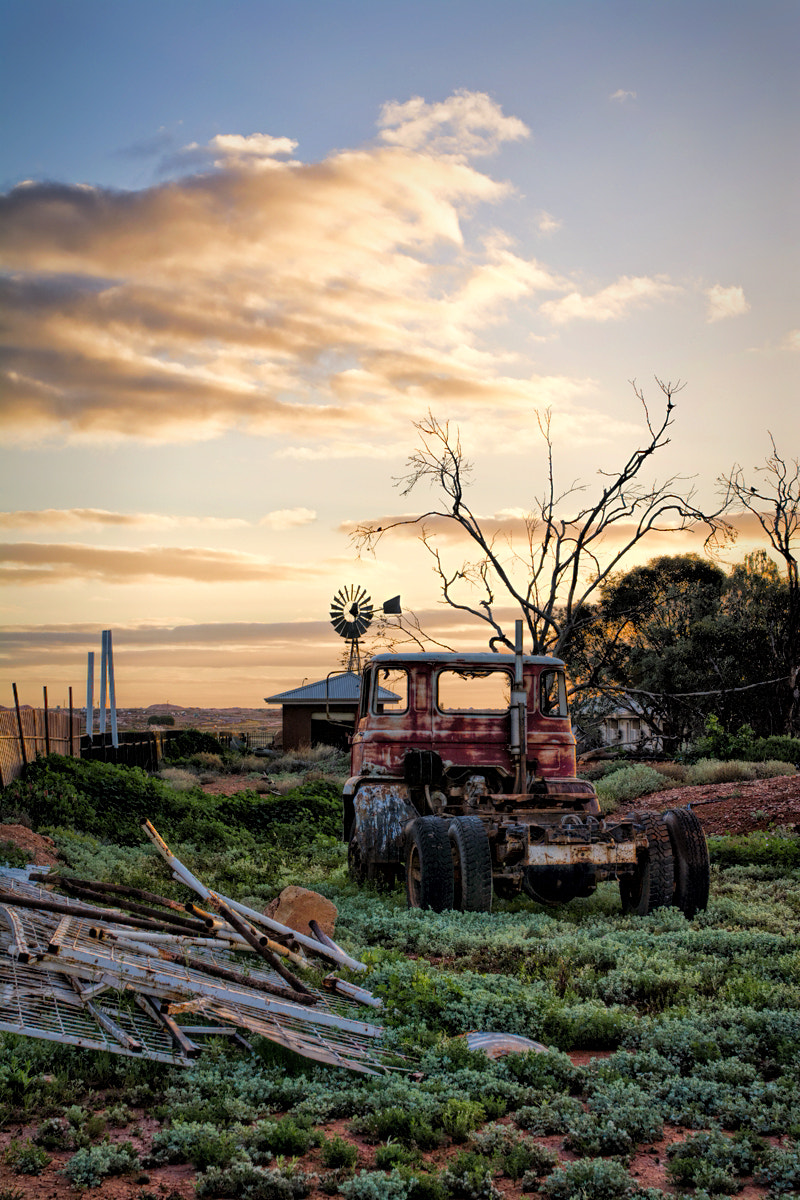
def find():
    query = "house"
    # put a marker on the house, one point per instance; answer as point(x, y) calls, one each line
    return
point(625, 727)
point(323, 712)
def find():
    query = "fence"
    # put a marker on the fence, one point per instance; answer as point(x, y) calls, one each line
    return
point(37, 737)
point(140, 748)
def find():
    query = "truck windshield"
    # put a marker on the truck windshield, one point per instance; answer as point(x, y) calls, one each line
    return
point(479, 691)
point(390, 690)
point(553, 694)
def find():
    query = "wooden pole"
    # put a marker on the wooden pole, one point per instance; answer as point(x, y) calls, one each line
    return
point(71, 738)
point(19, 727)
point(46, 724)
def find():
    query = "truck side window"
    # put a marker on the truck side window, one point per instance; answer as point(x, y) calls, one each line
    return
point(389, 690)
point(553, 694)
point(463, 691)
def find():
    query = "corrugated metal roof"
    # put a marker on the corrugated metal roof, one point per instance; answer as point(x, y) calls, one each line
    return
point(342, 688)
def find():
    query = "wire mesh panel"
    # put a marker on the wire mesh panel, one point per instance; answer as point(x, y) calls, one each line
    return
point(72, 979)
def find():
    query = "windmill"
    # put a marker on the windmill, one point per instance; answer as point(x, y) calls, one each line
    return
point(351, 616)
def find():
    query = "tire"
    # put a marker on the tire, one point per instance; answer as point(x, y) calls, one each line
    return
point(429, 865)
point(653, 883)
point(692, 868)
point(472, 865)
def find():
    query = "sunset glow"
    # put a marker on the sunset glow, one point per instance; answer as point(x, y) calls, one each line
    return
point(243, 248)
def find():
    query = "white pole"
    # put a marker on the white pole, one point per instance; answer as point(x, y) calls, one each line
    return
point(103, 656)
point(112, 701)
point(90, 695)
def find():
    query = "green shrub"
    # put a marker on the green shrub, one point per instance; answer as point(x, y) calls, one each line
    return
point(26, 1159)
point(201, 1144)
point(374, 1185)
point(166, 719)
point(768, 849)
point(588, 1179)
point(339, 1153)
point(243, 1180)
point(91, 1165)
point(469, 1176)
point(12, 855)
point(392, 1154)
point(629, 783)
point(715, 1162)
point(189, 742)
point(460, 1117)
point(710, 770)
point(780, 1169)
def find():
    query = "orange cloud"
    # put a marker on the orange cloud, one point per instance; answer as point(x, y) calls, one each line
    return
point(38, 562)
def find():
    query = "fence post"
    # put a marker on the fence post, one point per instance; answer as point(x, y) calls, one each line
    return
point(71, 738)
point(46, 724)
point(19, 727)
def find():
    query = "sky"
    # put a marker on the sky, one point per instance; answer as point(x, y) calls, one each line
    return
point(245, 246)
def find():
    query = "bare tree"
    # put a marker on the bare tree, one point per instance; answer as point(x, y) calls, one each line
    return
point(553, 581)
point(776, 506)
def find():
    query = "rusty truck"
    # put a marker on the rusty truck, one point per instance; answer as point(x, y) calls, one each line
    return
point(464, 780)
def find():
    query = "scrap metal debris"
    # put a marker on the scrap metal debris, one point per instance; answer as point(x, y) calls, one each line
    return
point(149, 977)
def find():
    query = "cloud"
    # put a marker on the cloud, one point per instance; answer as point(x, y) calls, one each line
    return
point(321, 305)
point(620, 96)
point(289, 518)
point(724, 302)
point(235, 297)
point(257, 151)
point(547, 223)
point(792, 340)
point(467, 123)
point(24, 563)
point(74, 518)
point(613, 302)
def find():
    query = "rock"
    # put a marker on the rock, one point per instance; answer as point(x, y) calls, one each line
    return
point(296, 906)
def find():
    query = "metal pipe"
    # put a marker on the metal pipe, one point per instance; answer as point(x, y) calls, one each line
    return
point(183, 874)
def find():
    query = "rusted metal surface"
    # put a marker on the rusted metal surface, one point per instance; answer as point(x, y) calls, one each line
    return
point(606, 854)
point(382, 811)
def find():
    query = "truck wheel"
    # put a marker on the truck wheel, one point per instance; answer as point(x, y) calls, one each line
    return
point(653, 883)
point(472, 865)
point(429, 865)
point(692, 870)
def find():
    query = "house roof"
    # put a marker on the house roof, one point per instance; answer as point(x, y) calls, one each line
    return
point(344, 688)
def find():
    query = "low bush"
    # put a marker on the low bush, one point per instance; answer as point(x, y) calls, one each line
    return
point(244, 1180)
point(779, 851)
point(629, 783)
point(27, 1158)
point(588, 1179)
point(91, 1165)
point(189, 742)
